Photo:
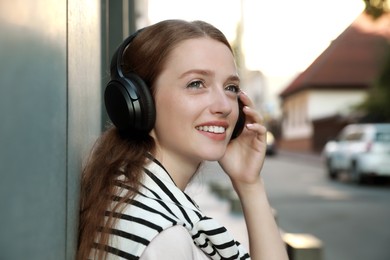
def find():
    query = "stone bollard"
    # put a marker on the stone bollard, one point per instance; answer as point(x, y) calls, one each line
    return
point(303, 246)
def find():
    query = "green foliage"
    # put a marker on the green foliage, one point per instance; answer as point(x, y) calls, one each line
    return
point(377, 104)
point(376, 8)
point(376, 107)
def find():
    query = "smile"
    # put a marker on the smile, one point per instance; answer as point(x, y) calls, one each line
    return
point(212, 129)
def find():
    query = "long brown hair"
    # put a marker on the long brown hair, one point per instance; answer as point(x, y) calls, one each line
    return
point(114, 154)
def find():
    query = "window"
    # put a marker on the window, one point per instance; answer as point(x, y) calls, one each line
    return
point(353, 136)
point(382, 137)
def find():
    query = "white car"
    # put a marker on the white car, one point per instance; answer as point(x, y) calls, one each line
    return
point(271, 144)
point(361, 150)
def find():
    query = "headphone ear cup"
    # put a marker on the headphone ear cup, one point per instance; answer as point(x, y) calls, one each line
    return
point(147, 118)
point(129, 104)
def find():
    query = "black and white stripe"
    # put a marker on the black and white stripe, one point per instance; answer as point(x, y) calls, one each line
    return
point(160, 204)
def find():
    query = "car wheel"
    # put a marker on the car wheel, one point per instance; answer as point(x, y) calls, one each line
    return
point(355, 174)
point(332, 172)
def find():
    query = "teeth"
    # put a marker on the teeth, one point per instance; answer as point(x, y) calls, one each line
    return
point(212, 129)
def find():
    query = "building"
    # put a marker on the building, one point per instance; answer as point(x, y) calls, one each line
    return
point(321, 100)
point(54, 63)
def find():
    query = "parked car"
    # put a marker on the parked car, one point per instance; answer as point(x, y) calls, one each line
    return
point(271, 144)
point(361, 151)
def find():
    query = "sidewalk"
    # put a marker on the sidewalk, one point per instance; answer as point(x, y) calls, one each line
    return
point(304, 156)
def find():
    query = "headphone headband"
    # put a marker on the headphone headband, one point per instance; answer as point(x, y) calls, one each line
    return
point(116, 61)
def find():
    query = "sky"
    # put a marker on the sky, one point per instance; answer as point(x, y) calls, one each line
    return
point(280, 38)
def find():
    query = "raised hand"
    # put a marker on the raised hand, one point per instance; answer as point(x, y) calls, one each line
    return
point(245, 155)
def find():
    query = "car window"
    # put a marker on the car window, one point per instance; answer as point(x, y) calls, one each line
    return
point(382, 137)
point(353, 136)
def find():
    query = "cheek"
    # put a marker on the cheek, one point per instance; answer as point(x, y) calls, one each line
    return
point(236, 111)
point(172, 112)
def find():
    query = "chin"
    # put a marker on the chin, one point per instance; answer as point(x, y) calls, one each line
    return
point(213, 155)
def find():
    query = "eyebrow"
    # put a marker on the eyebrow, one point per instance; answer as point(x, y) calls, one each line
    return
point(208, 73)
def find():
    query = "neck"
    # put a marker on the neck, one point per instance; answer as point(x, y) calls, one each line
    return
point(180, 169)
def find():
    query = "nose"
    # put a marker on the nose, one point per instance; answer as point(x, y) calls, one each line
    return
point(221, 103)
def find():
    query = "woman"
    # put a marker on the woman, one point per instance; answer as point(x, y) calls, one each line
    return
point(133, 204)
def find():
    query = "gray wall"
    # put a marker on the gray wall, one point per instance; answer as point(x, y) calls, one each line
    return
point(50, 113)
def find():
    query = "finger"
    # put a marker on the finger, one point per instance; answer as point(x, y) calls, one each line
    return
point(253, 115)
point(259, 129)
point(245, 99)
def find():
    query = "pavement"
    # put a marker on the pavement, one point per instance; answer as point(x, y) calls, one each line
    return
point(314, 158)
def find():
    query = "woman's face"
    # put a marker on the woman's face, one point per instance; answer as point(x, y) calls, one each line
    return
point(196, 101)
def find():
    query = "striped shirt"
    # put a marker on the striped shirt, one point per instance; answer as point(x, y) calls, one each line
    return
point(159, 205)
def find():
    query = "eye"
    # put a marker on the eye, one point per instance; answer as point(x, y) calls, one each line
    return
point(195, 84)
point(233, 88)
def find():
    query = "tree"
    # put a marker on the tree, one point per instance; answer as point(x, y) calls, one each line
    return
point(376, 8)
point(376, 106)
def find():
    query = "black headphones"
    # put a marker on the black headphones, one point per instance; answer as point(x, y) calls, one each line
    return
point(128, 100)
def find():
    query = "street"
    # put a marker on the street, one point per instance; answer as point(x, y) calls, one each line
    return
point(351, 220)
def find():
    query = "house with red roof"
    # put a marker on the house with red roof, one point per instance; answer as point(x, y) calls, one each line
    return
point(321, 100)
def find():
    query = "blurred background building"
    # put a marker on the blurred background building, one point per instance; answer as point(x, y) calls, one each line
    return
point(324, 98)
point(54, 60)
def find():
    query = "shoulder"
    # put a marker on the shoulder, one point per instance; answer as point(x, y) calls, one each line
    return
point(173, 243)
